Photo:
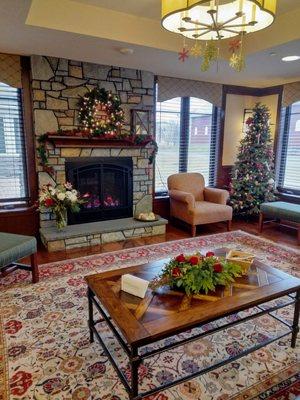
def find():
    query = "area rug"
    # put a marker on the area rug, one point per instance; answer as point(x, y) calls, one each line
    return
point(44, 342)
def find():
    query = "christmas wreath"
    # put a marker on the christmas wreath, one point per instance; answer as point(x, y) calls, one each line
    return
point(197, 273)
point(100, 112)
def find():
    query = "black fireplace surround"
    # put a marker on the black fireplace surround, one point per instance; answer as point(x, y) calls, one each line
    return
point(108, 180)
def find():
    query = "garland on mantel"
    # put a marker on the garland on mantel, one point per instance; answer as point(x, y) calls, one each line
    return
point(132, 140)
point(100, 116)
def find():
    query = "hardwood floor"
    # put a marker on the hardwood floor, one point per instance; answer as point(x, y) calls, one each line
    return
point(279, 234)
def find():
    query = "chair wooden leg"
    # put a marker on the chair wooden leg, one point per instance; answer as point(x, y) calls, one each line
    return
point(193, 230)
point(261, 222)
point(35, 268)
point(229, 224)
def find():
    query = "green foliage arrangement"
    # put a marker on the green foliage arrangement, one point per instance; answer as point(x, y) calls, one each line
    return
point(196, 273)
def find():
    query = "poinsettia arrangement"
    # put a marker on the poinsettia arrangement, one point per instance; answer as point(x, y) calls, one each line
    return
point(59, 199)
point(197, 273)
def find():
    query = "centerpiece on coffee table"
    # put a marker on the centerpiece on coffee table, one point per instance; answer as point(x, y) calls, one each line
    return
point(195, 274)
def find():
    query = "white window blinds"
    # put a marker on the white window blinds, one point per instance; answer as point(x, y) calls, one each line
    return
point(186, 134)
point(13, 184)
point(289, 177)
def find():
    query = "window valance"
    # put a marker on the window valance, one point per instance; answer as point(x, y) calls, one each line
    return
point(10, 70)
point(168, 88)
point(291, 94)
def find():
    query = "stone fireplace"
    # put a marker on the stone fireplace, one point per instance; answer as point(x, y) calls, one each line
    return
point(57, 85)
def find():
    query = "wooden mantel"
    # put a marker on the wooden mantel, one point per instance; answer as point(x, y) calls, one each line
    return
point(80, 141)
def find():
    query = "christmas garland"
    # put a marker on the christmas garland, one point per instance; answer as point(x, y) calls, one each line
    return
point(100, 112)
point(131, 140)
point(100, 115)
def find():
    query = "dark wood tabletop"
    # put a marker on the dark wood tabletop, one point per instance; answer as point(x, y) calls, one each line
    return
point(166, 312)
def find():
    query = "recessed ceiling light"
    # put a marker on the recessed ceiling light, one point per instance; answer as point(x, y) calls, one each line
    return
point(291, 58)
point(126, 51)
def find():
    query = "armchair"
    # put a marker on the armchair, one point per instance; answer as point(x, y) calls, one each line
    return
point(195, 204)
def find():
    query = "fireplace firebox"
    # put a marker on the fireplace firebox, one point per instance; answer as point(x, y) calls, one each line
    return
point(108, 180)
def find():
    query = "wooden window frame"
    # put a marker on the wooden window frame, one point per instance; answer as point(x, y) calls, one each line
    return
point(184, 142)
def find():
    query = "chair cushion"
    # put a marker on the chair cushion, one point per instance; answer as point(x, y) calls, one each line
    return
point(207, 213)
point(13, 247)
point(282, 209)
point(190, 182)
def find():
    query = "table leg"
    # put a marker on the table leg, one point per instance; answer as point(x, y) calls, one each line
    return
point(90, 295)
point(134, 361)
point(296, 320)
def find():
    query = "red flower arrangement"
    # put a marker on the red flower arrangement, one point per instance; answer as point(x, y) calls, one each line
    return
point(197, 273)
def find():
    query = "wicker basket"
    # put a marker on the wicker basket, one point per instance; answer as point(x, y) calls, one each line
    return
point(244, 260)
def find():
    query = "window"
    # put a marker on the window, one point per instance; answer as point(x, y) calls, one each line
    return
point(186, 130)
point(289, 178)
point(12, 147)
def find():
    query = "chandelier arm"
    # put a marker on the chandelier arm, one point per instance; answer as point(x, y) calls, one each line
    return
point(231, 31)
point(201, 34)
point(192, 29)
point(199, 23)
point(230, 20)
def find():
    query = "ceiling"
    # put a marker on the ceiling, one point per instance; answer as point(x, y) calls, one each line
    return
point(151, 8)
point(95, 30)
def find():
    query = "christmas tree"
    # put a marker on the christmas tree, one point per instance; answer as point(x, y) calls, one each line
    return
point(252, 180)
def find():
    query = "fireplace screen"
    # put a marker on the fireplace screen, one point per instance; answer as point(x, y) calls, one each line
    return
point(109, 183)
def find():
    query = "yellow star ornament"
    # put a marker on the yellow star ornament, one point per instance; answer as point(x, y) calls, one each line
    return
point(196, 50)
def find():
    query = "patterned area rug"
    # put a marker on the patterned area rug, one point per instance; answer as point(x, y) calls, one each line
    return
point(45, 351)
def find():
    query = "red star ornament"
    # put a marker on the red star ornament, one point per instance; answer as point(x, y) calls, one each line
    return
point(234, 45)
point(183, 54)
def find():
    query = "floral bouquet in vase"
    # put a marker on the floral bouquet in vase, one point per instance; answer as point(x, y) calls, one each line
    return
point(59, 199)
point(196, 273)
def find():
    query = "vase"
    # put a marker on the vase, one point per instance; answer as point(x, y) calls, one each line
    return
point(61, 219)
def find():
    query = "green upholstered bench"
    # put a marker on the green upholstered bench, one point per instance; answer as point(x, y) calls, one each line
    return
point(280, 210)
point(13, 248)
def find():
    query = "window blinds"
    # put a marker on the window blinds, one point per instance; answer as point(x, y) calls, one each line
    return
point(13, 185)
point(289, 145)
point(186, 133)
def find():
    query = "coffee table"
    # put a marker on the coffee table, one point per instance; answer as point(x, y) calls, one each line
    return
point(138, 322)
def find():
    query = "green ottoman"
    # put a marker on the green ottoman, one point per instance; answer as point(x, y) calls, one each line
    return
point(12, 248)
point(280, 210)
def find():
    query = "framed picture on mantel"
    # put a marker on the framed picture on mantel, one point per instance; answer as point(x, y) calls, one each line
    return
point(140, 122)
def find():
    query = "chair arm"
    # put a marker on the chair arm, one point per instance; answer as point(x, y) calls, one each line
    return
point(219, 196)
point(183, 197)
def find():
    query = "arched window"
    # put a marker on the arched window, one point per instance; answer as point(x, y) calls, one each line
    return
point(13, 181)
point(289, 177)
point(186, 133)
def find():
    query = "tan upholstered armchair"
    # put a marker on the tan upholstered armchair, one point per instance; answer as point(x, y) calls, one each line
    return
point(192, 202)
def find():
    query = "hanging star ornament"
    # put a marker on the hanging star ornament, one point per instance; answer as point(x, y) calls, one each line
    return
point(237, 62)
point(235, 45)
point(183, 54)
point(196, 50)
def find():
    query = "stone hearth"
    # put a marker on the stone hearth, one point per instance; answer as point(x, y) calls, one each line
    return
point(95, 233)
